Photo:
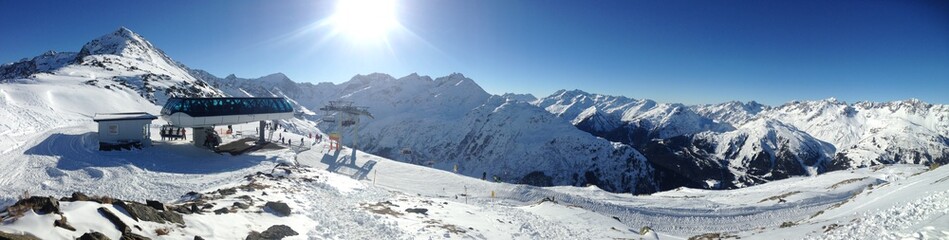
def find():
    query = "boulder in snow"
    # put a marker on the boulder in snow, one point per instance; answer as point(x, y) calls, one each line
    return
point(278, 208)
point(274, 232)
point(93, 236)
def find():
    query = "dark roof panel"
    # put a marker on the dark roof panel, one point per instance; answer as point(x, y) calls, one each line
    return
point(204, 107)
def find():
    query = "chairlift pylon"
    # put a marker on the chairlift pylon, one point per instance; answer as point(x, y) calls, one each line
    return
point(345, 115)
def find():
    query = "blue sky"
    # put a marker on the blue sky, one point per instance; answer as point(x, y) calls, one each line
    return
point(669, 51)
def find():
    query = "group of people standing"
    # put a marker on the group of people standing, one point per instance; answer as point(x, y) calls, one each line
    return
point(317, 138)
point(169, 132)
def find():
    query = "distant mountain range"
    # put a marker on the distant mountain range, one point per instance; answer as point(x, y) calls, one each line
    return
point(573, 137)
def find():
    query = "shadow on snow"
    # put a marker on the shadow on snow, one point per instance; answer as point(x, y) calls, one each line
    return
point(346, 165)
point(75, 152)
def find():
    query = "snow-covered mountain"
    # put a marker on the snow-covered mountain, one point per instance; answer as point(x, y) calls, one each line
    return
point(520, 97)
point(451, 122)
point(627, 120)
point(734, 112)
point(116, 61)
point(740, 144)
point(724, 145)
point(866, 133)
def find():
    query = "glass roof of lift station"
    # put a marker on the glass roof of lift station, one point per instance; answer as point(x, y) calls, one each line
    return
point(204, 107)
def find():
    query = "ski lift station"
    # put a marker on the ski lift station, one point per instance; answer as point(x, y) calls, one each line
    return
point(202, 114)
point(127, 130)
point(124, 130)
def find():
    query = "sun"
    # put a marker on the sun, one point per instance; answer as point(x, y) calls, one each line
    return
point(365, 19)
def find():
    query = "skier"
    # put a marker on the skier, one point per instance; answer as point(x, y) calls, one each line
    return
point(484, 176)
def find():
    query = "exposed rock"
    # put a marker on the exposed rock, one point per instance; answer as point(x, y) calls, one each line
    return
point(190, 196)
point(121, 226)
point(222, 211)
point(155, 204)
point(246, 198)
point(10, 236)
point(133, 236)
point(78, 196)
point(227, 191)
point(254, 235)
point(182, 209)
point(62, 223)
point(40, 205)
point(241, 205)
point(198, 238)
point(417, 210)
point(139, 211)
point(279, 208)
point(142, 212)
point(172, 217)
point(93, 236)
point(278, 232)
point(274, 232)
point(252, 186)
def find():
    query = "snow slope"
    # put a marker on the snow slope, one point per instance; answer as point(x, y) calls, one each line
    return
point(343, 195)
point(50, 146)
point(756, 211)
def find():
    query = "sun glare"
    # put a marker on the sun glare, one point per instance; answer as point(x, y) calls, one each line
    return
point(365, 19)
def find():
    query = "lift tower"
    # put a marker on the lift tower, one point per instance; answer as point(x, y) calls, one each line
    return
point(344, 114)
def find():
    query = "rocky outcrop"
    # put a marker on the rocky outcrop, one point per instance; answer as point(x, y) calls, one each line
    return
point(273, 232)
point(10, 236)
point(114, 219)
point(40, 205)
point(93, 236)
point(144, 212)
point(278, 208)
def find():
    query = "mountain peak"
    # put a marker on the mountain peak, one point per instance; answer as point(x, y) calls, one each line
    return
point(126, 43)
point(360, 80)
point(564, 93)
point(457, 76)
point(831, 100)
point(125, 32)
point(276, 76)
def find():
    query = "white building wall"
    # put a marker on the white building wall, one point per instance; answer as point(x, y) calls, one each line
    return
point(123, 131)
